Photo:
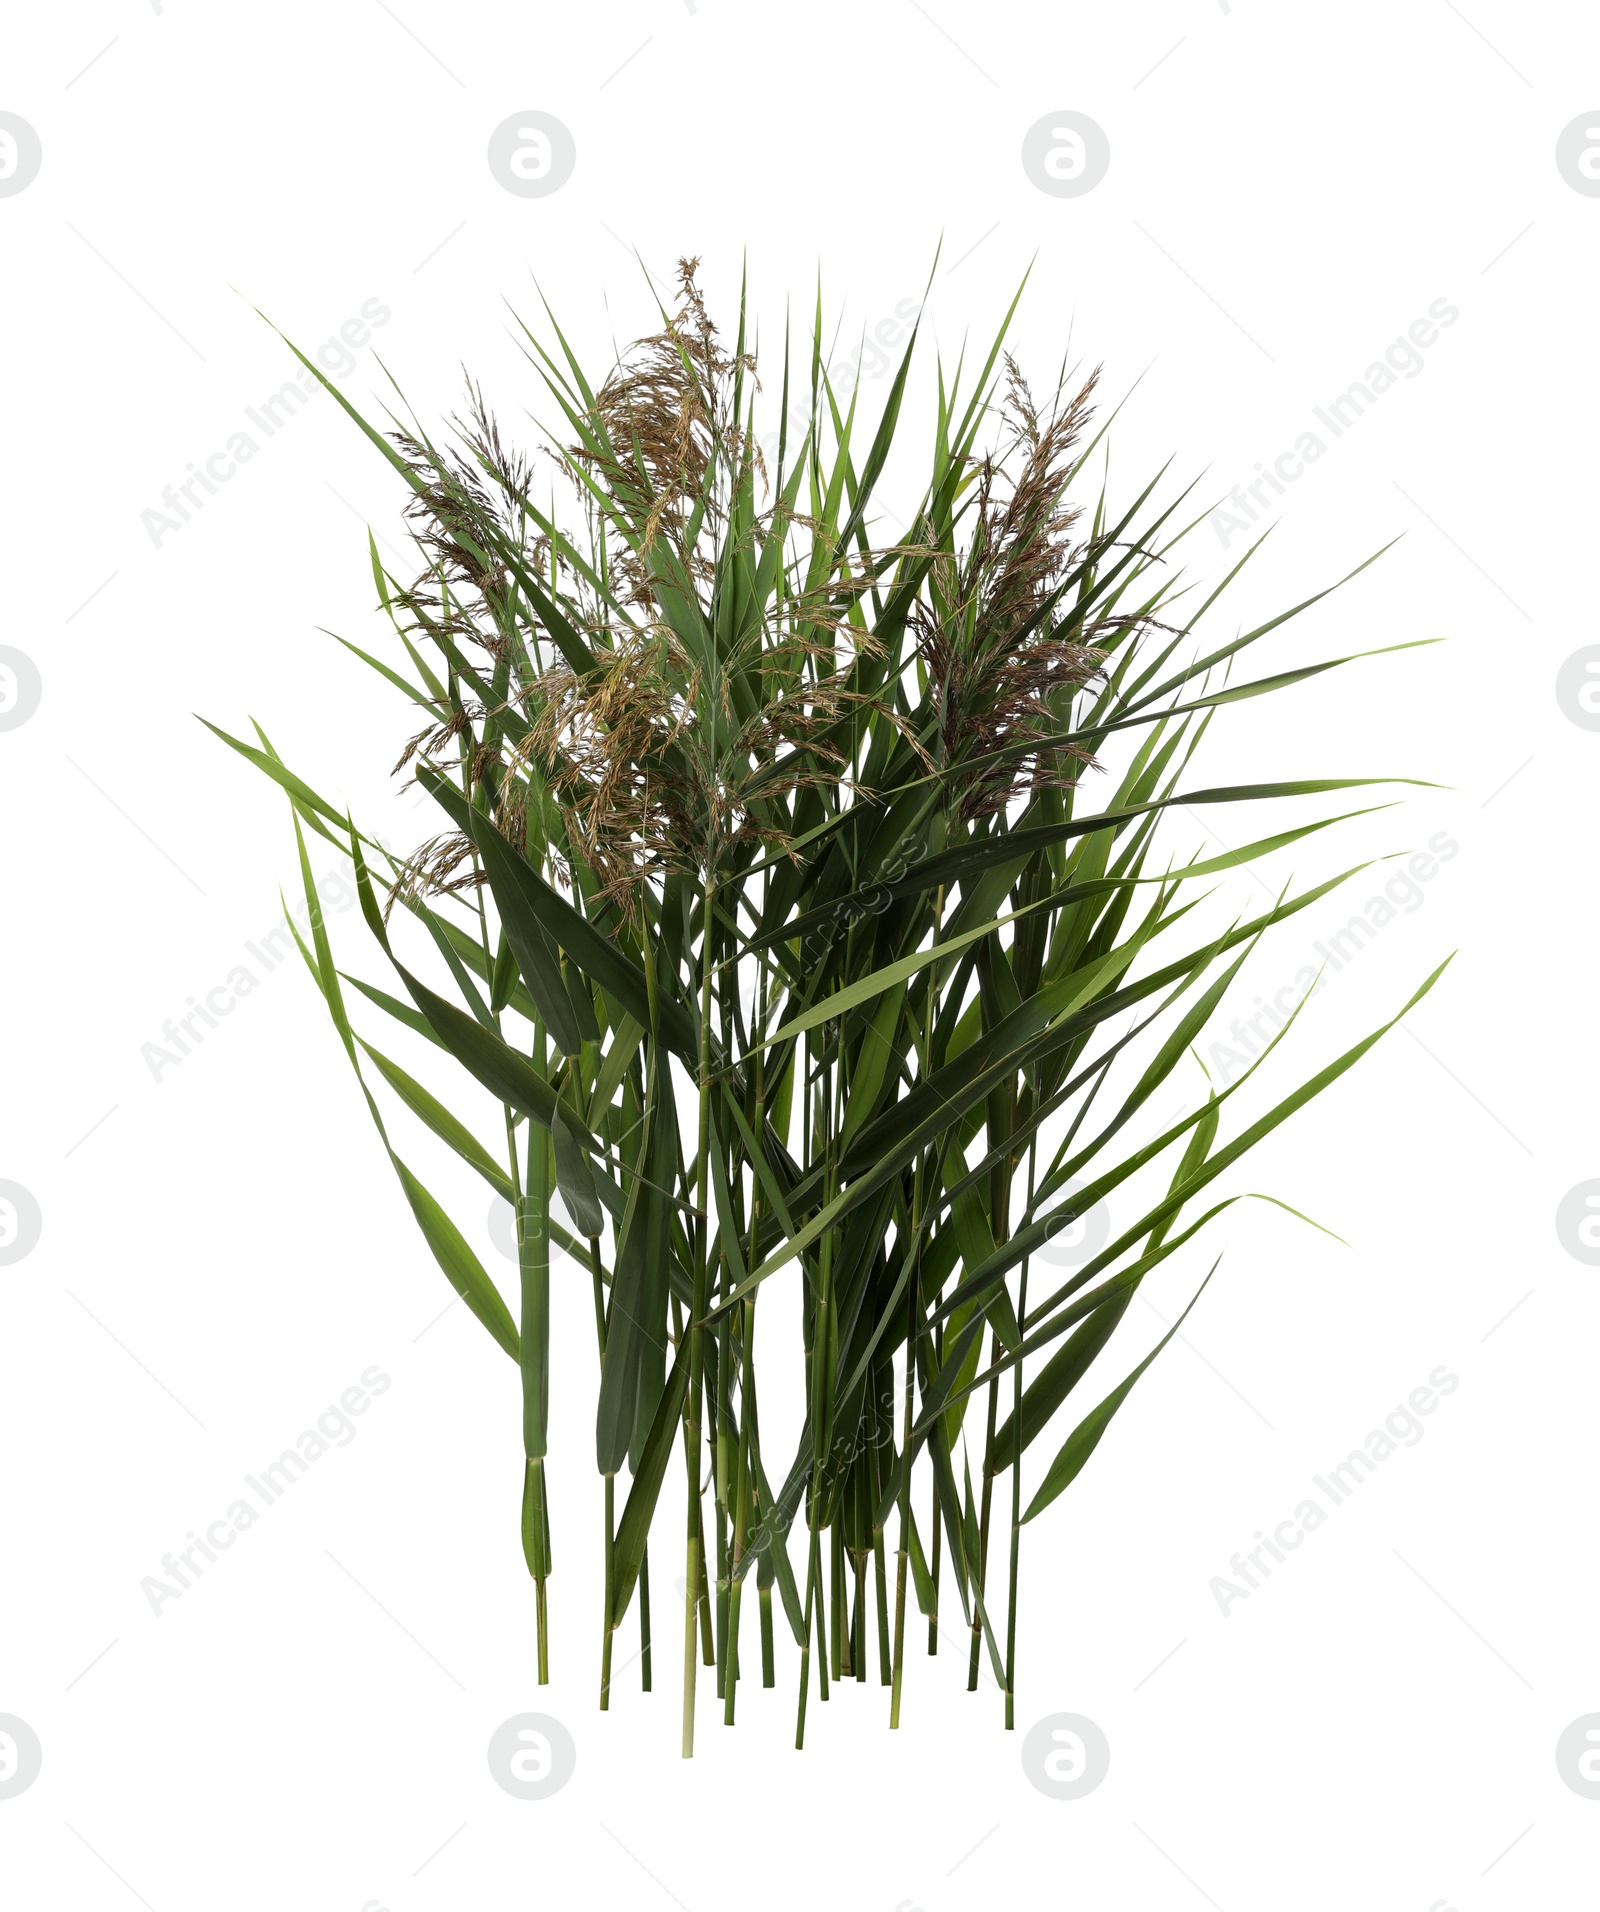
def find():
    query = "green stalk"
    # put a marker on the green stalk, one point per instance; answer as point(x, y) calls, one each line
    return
point(747, 1384)
point(609, 1628)
point(985, 1498)
point(703, 1597)
point(695, 1566)
point(1000, 1224)
point(860, 1548)
point(926, 1034)
point(903, 1551)
point(1016, 1518)
point(937, 1559)
point(858, 1618)
point(597, 1282)
point(879, 1583)
point(822, 1615)
point(809, 1320)
point(724, 1489)
point(741, 1527)
point(811, 1615)
point(611, 1558)
point(541, 1618)
point(644, 1619)
point(839, 1650)
point(533, 1260)
point(1016, 1476)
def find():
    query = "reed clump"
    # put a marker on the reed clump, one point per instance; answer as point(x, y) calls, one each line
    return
point(802, 905)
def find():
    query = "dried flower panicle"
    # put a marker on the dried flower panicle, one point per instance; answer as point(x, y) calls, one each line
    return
point(651, 767)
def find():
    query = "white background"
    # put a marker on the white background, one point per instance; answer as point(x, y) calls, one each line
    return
point(224, 1249)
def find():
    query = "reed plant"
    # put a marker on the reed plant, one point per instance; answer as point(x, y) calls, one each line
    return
point(801, 906)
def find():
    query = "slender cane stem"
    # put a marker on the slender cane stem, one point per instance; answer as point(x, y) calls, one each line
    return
point(1016, 1481)
point(694, 1567)
point(983, 1518)
point(902, 1553)
point(611, 1558)
point(937, 1559)
point(644, 1619)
